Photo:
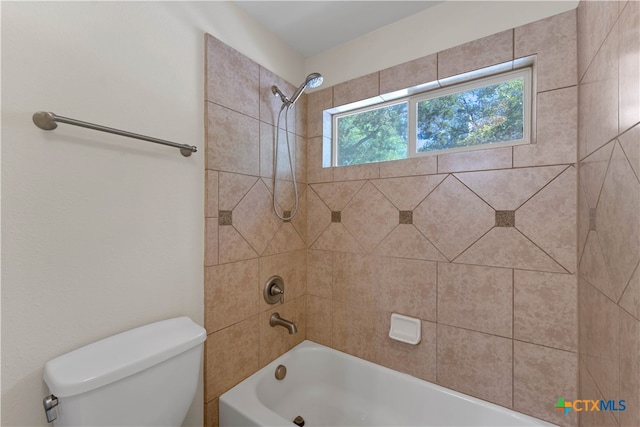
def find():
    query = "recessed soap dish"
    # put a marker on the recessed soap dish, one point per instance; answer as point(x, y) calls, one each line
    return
point(405, 329)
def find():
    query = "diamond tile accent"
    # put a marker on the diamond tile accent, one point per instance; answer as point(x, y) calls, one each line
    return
point(549, 219)
point(406, 217)
point(336, 216)
point(452, 217)
point(254, 218)
point(618, 224)
point(505, 218)
point(225, 218)
point(405, 241)
point(592, 219)
point(406, 193)
point(508, 189)
point(507, 247)
point(369, 216)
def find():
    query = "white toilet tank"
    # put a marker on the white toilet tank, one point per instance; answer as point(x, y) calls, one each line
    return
point(146, 376)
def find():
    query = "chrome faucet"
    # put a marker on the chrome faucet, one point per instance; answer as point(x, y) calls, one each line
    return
point(276, 320)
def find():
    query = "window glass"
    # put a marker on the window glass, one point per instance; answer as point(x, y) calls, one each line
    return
point(373, 135)
point(484, 115)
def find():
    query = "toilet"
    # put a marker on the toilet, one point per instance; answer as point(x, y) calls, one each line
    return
point(146, 376)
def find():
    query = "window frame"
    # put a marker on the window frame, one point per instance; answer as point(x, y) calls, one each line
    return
point(523, 67)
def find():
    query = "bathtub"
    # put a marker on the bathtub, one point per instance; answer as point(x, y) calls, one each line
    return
point(330, 388)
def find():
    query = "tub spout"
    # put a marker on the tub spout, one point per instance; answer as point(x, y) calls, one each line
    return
point(276, 320)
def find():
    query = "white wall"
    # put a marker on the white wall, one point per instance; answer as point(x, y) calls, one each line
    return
point(102, 233)
point(437, 28)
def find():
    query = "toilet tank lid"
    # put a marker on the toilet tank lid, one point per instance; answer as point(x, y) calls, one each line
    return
point(116, 357)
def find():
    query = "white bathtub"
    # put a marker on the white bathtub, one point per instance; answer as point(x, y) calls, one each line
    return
point(330, 388)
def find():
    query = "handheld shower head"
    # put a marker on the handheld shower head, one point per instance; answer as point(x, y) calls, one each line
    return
point(313, 80)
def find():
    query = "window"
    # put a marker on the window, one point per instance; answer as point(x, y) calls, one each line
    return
point(488, 112)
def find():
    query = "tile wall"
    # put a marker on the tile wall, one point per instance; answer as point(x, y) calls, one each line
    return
point(245, 242)
point(609, 208)
point(481, 246)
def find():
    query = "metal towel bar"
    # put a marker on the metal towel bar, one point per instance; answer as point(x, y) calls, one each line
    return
point(49, 121)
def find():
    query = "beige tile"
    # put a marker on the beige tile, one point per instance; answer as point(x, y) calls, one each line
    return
point(351, 173)
point(319, 216)
point(409, 74)
point(417, 360)
point(231, 78)
point(253, 217)
point(211, 207)
point(267, 162)
point(299, 221)
point(408, 167)
point(539, 375)
point(315, 171)
point(233, 187)
point(336, 195)
point(507, 247)
point(592, 172)
point(595, 20)
point(337, 238)
point(286, 239)
point(320, 320)
point(545, 309)
point(232, 246)
point(630, 142)
point(630, 300)
point(593, 268)
point(317, 102)
point(452, 217)
point(406, 193)
point(320, 273)
point(369, 217)
point(549, 219)
point(232, 356)
point(583, 220)
point(589, 390)
point(508, 189)
point(292, 267)
point(599, 343)
point(476, 298)
point(475, 363)
point(356, 89)
point(232, 141)
point(494, 158)
point(630, 369)
point(211, 414)
point(355, 330)
point(406, 286)
point(300, 110)
point(554, 41)
point(617, 221)
point(355, 279)
point(270, 104)
point(480, 53)
point(598, 101)
point(224, 308)
point(629, 63)
point(405, 241)
point(300, 161)
point(556, 130)
point(211, 243)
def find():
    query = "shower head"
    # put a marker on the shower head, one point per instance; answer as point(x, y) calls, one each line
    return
point(313, 80)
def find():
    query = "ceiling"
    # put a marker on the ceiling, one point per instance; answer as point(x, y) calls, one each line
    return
point(311, 27)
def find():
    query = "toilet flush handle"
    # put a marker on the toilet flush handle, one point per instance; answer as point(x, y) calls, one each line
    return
point(50, 407)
